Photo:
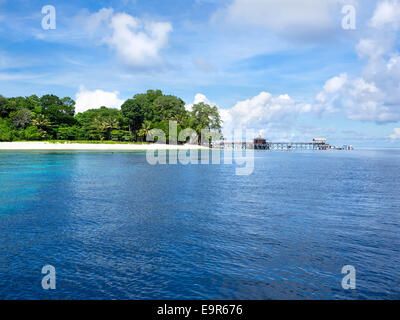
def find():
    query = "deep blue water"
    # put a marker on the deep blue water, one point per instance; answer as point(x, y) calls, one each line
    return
point(115, 227)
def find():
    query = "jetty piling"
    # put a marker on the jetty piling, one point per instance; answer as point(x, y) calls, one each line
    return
point(260, 143)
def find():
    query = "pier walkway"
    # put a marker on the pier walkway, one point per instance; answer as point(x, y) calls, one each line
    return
point(273, 145)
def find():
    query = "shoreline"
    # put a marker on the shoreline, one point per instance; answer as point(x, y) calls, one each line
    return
point(15, 146)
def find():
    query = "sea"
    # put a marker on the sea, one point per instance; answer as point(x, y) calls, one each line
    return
point(114, 226)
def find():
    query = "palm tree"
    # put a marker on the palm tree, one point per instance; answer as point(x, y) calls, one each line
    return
point(106, 125)
point(42, 123)
point(144, 130)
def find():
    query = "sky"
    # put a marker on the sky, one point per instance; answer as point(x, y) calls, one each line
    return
point(290, 70)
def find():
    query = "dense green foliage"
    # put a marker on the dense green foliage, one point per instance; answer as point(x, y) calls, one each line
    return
point(52, 118)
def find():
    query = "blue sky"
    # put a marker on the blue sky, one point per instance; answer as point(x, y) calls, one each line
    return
point(288, 70)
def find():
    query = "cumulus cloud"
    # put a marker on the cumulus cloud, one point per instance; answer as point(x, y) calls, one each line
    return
point(293, 18)
point(98, 19)
point(198, 98)
point(278, 118)
point(396, 134)
point(375, 95)
point(86, 99)
point(335, 84)
point(260, 111)
point(387, 13)
point(372, 96)
point(137, 42)
point(358, 98)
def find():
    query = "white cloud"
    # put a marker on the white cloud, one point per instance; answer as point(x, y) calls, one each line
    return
point(375, 95)
point(96, 20)
point(86, 99)
point(260, 111)
point(386, 13)
point(370, 48)
point(396, 134)
point(198, 98)
point(358, 99)
point(138, 42)
point(293, 18)
point(327, 99)
point(335, 84)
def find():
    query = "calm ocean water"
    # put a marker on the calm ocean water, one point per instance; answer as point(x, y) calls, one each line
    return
point(115, 227)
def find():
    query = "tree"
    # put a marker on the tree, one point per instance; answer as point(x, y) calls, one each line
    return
point(70, 133)
point(152, 95)
point(98, 123)
point(169, 108)
point(48, 100)
point(58, 111)
point(69, 104)
point(106, 125)
point(34, 118)
point(6, 107)
point(137, 110)
point(32, 134)
point(204, 116)
point(164, 126)
point(18, 103)
point(6, 132)
point(21, 118)
point(43, 124)
point(144, 130)
point(33, 103)
point(121, 135)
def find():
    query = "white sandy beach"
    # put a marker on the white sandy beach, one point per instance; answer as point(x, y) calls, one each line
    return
point(94, 146)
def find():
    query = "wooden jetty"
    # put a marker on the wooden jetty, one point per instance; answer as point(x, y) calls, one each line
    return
point(260, 143)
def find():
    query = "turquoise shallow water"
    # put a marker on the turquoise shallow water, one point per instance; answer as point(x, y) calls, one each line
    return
point(115, 227)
